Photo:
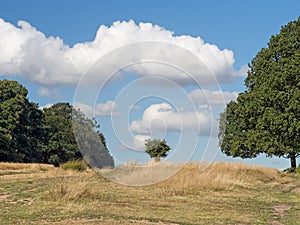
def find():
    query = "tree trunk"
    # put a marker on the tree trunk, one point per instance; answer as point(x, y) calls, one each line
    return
point(293, 161)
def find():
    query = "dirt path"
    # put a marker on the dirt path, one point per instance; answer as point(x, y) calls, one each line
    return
point(279, 210)
point(280, 213)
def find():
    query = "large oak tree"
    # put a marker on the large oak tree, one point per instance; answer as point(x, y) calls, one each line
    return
point(266, 117)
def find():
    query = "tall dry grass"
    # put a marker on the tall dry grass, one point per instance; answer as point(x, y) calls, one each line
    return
point(187, 179)
point(133, 174)
point(191, 174)
point(67, 189)
point(219, 176)
point(162, 178)
point(24, 166)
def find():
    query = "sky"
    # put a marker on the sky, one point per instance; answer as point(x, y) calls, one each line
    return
point(143, 69)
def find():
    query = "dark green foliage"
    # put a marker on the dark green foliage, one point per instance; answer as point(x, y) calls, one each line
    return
point(90, 141)
point(61, 122)
point(28, 134)
point(20, 124)
point(266, 117)
point(60, 143)
point(54, 160)
point(157, 148)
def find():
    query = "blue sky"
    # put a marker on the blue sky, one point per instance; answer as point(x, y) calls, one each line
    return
point(242, 27)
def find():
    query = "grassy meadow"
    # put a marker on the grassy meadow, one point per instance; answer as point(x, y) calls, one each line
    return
point(222, 193)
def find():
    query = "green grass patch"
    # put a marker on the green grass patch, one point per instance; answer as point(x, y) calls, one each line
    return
point(77, 165)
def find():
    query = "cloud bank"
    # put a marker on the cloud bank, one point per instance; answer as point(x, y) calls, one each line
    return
point(162, 117)
point(27, 52)
point(208, 97)
point(139, 142)
point(108, 108)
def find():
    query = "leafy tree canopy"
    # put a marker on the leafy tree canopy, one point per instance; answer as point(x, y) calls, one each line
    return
point(266, 117)
point(61, 121)
point(157, 148)
point(28, 134)
point(60, 143)
point(20, 122)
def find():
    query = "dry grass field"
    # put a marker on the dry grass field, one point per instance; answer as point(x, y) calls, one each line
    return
point(222, 193)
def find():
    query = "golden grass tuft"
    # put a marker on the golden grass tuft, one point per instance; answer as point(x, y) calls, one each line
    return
point(79, 165)
point(67, 189)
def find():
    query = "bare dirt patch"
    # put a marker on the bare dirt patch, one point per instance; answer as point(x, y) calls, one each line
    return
point(4, 197)
point(280, 213)
point(296, 190)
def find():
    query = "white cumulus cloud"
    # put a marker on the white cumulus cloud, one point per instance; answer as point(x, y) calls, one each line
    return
point(162, 117)
point(139, 142)
point(207, 97)
point(49, 92)
point(108, 108)
point(49, 105)
point(25, 51)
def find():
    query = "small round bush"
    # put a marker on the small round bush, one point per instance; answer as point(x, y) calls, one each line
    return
point(78, 165)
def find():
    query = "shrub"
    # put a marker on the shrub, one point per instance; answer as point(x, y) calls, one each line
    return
point(54, 160)
point(157, 148)
point(78, 165)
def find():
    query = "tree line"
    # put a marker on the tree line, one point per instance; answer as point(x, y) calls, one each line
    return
point(32, 135)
